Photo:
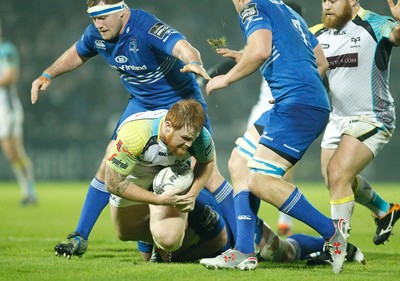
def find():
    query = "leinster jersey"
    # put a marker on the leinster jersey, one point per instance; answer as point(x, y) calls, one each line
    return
point(291, 70)
point(142, 55)
point(359, 59)
point(140, 154)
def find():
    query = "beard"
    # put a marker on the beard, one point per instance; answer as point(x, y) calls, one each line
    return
point(338, 21)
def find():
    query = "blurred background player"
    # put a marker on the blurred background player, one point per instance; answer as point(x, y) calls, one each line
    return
point(11, 122)
point(358, 45)
point(156, 70)
point(264, 103)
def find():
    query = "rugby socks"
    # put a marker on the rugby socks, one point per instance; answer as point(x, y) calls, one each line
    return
point(306, 245)
point(145, 247)
point(297, 206)
point(224, 197)
point(342, 208)
point(367, 196)
point(96, 200)
point(246, 208)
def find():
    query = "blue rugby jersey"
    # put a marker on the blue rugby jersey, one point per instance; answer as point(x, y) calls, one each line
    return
point(291, 70)
point(143, 57)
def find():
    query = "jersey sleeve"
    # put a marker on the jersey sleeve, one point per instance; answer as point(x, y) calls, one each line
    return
point(85, 46)
point(203, 147)
point(382, 25)
point(131, 139)
point(254, 17)
point(162, 36)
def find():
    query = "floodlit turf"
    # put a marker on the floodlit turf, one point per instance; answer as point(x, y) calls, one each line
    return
point(28, 235)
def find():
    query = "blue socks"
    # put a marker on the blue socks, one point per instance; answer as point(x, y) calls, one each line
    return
point(224, 197)
point(246, 207)
point(306, 244)
point(96, 200)
point(298, 207)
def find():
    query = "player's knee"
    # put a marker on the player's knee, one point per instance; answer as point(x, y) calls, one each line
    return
point(168, 243)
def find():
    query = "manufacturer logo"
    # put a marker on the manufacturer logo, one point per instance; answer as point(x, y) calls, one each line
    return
point(121, 59)
point(244, 217)
point(100, 44)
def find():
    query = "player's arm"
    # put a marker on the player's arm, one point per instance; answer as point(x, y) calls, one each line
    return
point(118, 184)
point(67, 62)
point(190, 56)
point(321, 60)
point(257, 50)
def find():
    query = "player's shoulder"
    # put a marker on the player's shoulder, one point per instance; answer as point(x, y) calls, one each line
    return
point(317, 29)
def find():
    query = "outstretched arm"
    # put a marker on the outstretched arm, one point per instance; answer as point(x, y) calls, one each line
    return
point(67, 62)
point(258, 49)
point(190, 56)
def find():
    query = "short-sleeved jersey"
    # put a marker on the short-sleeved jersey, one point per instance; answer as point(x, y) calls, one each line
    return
point(142, 55)
point(291, 70)
point(359, 60)
point(140, 154)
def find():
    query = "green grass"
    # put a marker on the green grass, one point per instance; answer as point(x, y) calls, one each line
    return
point(28, 235)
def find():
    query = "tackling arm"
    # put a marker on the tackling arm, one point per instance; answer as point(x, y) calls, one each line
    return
point(67, 62)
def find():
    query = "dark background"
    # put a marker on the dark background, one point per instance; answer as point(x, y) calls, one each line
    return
point(66, 132)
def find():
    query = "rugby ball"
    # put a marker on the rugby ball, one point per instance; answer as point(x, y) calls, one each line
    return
point(176, 177)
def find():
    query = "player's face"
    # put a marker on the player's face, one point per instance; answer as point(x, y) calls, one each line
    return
point(179, 141)
point(336, 13)
point(109, 26)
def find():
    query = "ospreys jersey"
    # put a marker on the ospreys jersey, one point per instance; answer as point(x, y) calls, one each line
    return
point(291, 70)
point(142, 55)
point(359, 60)
point(140, 154)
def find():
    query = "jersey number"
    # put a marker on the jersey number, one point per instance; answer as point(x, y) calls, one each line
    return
point(297, 24)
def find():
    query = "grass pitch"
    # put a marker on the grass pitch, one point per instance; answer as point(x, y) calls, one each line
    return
point(28, 235)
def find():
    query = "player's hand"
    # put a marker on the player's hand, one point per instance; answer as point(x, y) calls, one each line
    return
point(228, 53)
point(197, 69)
point(218, 82)
point(40, 83)
point(172, 198)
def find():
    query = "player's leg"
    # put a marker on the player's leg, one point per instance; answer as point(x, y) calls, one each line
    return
point(167, 226)
point(14, 151)
point(96, 200)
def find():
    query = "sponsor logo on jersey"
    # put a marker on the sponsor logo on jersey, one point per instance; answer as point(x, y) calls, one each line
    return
point(325, 46)
point(116, 162)
point(346, 60)
point(249, 12)
point(121, 59)
point(160, 29)
point(126, 67)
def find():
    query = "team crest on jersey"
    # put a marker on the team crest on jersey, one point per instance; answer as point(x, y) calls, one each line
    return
point(249, 12)
point(133, 46)
point(159, 30)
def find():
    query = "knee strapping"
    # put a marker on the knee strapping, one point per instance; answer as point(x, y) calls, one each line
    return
point(258, 165)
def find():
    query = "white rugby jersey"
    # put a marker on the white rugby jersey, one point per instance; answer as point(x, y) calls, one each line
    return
point(359, 65)
point(139, 154)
